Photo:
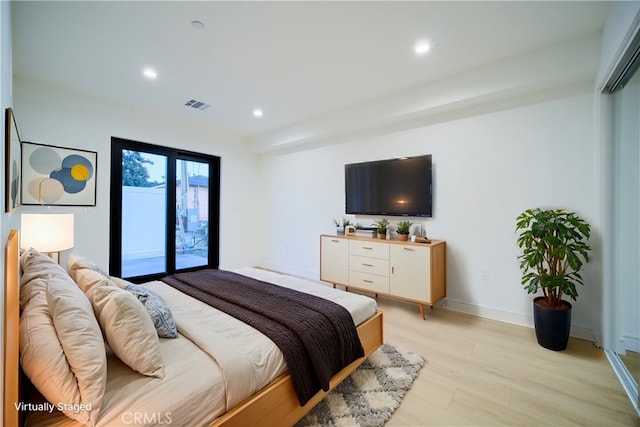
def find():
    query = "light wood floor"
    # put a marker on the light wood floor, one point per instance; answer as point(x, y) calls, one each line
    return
point(483, 372)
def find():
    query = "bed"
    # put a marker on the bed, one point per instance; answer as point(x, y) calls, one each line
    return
point(194, 388)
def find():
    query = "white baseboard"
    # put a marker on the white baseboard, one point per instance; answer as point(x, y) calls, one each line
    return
point(508, 317)
point(632, 343)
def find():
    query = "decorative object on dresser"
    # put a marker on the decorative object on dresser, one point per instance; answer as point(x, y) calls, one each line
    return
point(405, 270)
point(340, 225)
point(554, 249)
point(369, 232)
point(382, 225)
point(403, 230)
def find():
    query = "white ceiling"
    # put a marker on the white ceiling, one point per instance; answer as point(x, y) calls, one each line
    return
point(295, 60)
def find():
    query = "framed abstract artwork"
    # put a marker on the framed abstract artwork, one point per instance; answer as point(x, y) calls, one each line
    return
point(58, 176)
point(12, 161)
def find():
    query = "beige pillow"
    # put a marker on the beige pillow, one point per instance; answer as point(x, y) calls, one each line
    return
point(88, 279)
point(43, 359)
point(126, 324)
point(120, 282)
point(76, 262)
point(79, 334)
point(36, 265)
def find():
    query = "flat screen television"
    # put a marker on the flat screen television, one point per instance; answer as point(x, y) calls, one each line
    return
point(389, 187)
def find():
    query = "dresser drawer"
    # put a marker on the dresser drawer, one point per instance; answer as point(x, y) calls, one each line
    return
point(371, 282)
point(363, 264)
point(369, 249)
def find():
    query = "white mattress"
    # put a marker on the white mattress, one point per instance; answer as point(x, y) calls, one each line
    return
point(216, 363)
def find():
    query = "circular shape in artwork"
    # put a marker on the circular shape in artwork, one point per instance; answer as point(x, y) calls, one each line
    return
point(80, 173)
point(70, 184)
point(46, 190)
point(81, 167)
point(43, 160)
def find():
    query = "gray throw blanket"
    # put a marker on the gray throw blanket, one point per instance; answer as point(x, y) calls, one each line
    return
point(317, 337)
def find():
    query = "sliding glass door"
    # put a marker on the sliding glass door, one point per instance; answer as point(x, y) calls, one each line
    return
point(626, 234)
point(144, 216)
point(164, 210)
point(192, 214)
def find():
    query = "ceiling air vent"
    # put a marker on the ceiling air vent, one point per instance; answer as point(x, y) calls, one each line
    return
point(198, 105)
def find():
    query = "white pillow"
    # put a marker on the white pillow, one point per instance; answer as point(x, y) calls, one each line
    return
point(79, 334)
point(126, 324)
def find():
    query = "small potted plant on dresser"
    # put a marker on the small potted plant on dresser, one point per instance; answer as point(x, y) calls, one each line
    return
point(403, 230)
point(341, 225)
point(553, 253)
point(382, 225)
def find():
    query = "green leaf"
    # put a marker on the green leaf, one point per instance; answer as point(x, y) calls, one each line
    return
point(553, 250)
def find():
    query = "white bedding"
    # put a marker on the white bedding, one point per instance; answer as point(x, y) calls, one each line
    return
point(191, 392)
point(216, 363)
point(360, 307)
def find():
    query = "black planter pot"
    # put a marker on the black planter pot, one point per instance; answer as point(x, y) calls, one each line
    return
point(552, 326)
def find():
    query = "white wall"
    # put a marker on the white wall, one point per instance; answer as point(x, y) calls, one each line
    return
point(487, 169)
point(56, 116)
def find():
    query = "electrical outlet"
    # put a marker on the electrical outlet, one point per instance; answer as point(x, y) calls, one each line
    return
point(484, 273)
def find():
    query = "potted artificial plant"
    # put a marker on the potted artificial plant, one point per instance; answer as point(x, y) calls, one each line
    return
point(553, 253)
point(341, 225)
point(382, 225)
point(403, 230)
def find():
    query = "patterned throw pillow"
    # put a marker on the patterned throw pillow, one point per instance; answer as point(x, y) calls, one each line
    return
point(158, 310)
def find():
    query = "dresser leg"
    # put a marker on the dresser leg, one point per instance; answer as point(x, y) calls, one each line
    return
point(424, 316)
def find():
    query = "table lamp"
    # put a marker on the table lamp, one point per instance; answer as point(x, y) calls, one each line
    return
point(47, 233)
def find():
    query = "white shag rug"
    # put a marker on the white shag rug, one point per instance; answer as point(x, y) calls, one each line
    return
point(369, 396)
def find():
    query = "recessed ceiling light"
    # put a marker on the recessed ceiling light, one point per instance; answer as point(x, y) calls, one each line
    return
point(257, 112)
point(421, 47)
point(150, 73)
point(197, 25)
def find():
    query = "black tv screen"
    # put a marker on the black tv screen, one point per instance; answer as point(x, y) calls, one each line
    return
point(389, 187)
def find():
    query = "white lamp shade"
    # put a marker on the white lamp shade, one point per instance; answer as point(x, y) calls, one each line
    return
point(47, 232)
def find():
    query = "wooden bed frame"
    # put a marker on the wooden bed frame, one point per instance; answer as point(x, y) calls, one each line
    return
point(276, 404)
point(11, 372)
